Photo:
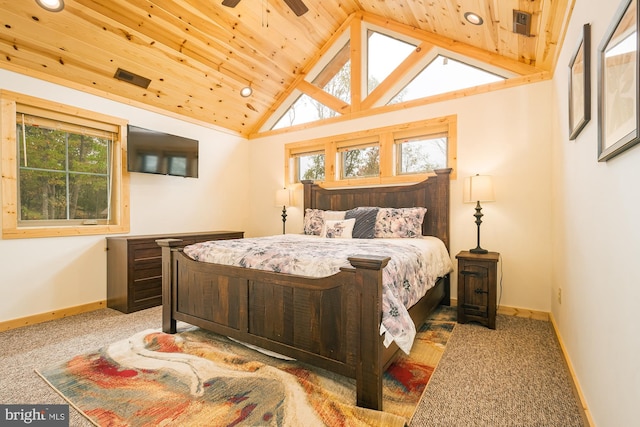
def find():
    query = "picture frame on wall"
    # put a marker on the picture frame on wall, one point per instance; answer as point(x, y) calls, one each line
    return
point(618, 96)
point(580, 85)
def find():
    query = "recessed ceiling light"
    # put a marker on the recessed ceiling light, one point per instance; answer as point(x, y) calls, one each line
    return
point(246, 91)
point(51, 5)
point(473, 18)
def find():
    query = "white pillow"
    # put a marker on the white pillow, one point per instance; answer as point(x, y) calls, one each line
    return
point(338, 229)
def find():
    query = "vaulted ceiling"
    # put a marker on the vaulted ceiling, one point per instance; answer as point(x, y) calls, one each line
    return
point(199, 54)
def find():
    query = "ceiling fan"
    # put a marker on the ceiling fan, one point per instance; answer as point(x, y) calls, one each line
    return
point(297, 6)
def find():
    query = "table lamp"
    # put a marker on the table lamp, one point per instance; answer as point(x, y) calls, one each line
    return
point(478, 188)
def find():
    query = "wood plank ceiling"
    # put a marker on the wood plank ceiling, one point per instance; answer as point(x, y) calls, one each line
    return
point(199, 54)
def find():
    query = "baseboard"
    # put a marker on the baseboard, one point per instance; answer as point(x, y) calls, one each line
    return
point(517, 312)
point(45, 317)
point(586, 415)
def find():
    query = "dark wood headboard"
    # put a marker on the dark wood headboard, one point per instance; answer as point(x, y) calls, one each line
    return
point(432, 193)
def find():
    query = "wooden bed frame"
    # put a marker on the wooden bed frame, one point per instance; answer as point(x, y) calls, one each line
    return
point(331, 322)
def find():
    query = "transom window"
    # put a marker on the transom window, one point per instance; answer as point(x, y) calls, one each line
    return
point(420, 154)
point(309, 166)
point(403, 153)
point(359, 161)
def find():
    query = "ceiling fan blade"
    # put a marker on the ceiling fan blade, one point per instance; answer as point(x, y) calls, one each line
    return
point(230, 3)
point(297, 6)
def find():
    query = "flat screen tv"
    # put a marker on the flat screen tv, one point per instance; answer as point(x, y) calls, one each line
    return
point(150, 151)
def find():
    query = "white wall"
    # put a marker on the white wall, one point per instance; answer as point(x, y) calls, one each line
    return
point(596, 249)
point(48, 274)
point(501, 133)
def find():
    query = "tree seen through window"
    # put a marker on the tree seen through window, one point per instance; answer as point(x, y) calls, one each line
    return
point(63, 175)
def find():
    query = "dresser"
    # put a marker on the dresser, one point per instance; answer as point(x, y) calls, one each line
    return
point(134, 267)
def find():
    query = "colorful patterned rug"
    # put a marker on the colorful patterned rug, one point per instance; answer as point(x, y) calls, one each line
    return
point(196, 378)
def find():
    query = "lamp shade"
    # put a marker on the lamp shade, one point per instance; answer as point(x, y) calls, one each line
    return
point(283, 197)
point(478, 188)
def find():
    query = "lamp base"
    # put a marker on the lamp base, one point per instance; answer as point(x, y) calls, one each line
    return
point(478, 250)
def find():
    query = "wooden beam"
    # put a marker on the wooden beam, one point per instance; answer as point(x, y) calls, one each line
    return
point(324, 97)
point(396, 75)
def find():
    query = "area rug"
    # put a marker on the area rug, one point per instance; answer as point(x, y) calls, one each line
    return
point(196, 378)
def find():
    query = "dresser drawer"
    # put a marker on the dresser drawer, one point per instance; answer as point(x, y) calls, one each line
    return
point(148, 289)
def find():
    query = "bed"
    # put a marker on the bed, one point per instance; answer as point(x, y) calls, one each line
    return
point(330, 322)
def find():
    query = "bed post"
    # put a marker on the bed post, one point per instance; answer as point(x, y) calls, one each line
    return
point(369, 368)
point(168, 322)
point(442, 204)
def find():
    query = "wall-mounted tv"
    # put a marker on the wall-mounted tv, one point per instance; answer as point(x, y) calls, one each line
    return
point(150, 151)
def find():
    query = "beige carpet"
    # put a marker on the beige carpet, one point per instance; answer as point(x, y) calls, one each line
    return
point(511, 376)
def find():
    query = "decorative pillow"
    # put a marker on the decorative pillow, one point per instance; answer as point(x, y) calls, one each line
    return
point(314, 219)
point(399, 222)
point(338, 229)
point(365, 217)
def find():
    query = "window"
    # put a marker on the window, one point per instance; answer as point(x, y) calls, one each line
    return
point(421, 154)
point(62, 170)
point(304, 110)
point(384, 54)
point(310, 166)
point(360, 161)
point(442, 75)
point(403, 153)
point(335, 78)
point(369, 66)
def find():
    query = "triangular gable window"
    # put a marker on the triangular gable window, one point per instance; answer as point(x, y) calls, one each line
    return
point(335, 78)
point(443, 75)
point(328, 87)
point(304, 110)
point(384, 54)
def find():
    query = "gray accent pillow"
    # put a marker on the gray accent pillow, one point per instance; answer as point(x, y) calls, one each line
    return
point(365, 227)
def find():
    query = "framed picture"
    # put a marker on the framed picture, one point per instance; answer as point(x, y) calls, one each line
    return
point(580, 85)
point(618, 109)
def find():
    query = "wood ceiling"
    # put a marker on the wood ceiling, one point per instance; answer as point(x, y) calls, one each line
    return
point(199, 54)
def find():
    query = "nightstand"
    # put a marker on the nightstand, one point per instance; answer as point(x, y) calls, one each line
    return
point(477, 282)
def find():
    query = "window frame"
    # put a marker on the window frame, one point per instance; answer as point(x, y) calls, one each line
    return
point(386, 137)
point(13, 103)
point(405, 140)
point(295, 163)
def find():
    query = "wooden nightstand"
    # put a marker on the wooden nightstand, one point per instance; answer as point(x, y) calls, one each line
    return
point(477, 282)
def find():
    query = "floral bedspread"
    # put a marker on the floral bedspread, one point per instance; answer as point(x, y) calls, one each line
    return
point(414, 267)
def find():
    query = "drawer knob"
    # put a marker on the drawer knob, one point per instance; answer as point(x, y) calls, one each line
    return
point(480, 291)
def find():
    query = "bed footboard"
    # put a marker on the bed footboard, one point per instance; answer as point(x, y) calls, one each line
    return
point(331, 322)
